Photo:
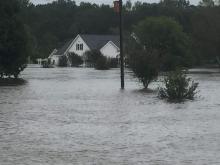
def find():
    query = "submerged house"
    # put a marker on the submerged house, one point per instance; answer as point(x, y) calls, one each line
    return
point(108, 45)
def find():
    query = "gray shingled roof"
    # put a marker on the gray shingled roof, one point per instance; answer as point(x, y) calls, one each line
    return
point(98, 41)
point(93, 41)
point(62, 50)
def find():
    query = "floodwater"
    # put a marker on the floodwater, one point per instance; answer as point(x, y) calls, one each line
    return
point(78, 116)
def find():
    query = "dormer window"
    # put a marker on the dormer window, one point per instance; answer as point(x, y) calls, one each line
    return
point(79, 46)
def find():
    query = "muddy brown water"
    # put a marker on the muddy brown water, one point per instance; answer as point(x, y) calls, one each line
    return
point(78, 116)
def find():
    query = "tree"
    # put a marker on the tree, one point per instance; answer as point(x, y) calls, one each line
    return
point(95, 59)
point(13, 39)
point(165, 36)
point(102, 63)
point(205, 32)
point(178, 87)
point(62, 61)
point(128, 5)
point(143, 63)
point(145, 66)
point(175, 3)
point(75, 59)
point(207, 3)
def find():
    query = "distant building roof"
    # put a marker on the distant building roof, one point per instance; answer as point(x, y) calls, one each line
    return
point(62, 50)
point(98, 41)
point(94, 42)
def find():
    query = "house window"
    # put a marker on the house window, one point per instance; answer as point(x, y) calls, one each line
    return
point(79, 46)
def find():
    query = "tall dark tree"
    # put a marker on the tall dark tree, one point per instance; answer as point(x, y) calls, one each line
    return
point(13, 39)
point(165, 36)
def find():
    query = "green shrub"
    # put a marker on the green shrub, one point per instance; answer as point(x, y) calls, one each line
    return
point(95, 59)
point(113, 62)
point(62, 61)
point(102, 63)
point(178, 87)
point(75, 59)
point(145, 66)
point(91, 57)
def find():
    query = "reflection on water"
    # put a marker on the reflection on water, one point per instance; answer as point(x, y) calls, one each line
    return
point(80, 116)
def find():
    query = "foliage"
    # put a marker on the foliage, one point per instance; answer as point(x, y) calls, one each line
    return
point(11, 81)
point(145, 66)
point(47, 64)
point(13, 39)
point(166, 36)
point(51, 25)
point(92, 56)
point(75, 59)
point(102, 63)
point(205, 33)
point(178, 87)
point(207, 3)
point(95, 59)
point(63, 61)
point(113, 62)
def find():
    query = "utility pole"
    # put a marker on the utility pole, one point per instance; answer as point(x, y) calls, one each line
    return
point(121, 44)
point(118, 7)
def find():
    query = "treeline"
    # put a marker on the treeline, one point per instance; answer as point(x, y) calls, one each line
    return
point(51, 25)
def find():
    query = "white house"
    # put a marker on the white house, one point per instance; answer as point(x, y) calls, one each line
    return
point(108, 45)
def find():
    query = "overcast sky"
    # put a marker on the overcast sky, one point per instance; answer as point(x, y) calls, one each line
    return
point(195, 2)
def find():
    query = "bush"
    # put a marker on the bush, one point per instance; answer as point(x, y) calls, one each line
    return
point(113, 62)
point(178, 87)
point(102, 63)
point(145, 66)
point(92, 56)
point(75, 59)
point(62, 61)
point(95, 59)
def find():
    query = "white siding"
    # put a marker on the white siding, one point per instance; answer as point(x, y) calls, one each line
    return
point(78, 40)
point(110, 50)
point(55, 60)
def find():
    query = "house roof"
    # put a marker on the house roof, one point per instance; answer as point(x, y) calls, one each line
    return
point(93, 42)
point(98, 41)
point(63, 49)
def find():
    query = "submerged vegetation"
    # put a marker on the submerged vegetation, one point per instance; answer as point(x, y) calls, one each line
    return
point(14, 45)
point(11, 81)
point(178, 87)
point(158, 44)
point(75, 59)
point(95, 59)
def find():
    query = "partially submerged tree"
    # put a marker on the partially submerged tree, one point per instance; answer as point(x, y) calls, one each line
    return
point(166, 36)
point(102, 63)
point(13, 40)
point(178, 87)
point(145, 66)
point(95, 59)
point(63, 61)
point(75, 59)
point(158, 44)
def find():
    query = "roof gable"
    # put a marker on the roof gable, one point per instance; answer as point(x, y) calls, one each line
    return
point(94, 42)
point(98, 41)
point(112, 44)
point(63, 49)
